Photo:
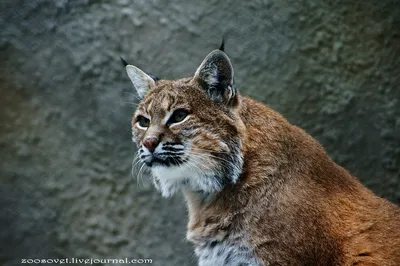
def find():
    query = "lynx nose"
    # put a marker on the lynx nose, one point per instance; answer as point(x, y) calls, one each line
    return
point(150, 143)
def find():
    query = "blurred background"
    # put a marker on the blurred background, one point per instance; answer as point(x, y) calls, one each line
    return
point(330, 67)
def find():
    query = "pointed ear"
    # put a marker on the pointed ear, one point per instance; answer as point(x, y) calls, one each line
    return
point(141, 81)
point(215, 76)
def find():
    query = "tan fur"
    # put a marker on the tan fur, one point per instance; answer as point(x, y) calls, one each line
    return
point(291, 203)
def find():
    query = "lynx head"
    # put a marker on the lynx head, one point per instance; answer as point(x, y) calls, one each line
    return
point(188, 131)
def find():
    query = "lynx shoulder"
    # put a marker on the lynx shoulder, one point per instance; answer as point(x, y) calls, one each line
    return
point(259, 190)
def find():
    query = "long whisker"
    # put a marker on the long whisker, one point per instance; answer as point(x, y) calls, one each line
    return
point(131, 103)
point(226, 164)
point(140, 174)
point(197, 165)
point(137, 157)
point(135, 161)
point(195, 168)
point(209, 156)
point(133, 95)
point(211, 151)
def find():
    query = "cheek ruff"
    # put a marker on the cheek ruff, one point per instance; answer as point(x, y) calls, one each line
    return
point(181, 169)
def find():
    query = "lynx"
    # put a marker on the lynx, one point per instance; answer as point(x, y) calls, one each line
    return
point(259, 190)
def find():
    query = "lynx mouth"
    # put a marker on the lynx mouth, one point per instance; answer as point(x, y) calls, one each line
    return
point(154, 160)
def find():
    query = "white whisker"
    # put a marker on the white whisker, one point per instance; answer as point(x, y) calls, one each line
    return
point(133, 95)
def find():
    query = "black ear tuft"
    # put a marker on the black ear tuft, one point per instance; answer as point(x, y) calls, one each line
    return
point(150, 75)
point(222, 46)
point(123, 61)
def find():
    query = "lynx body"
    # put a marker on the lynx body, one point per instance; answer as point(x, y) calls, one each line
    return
point(259, 190)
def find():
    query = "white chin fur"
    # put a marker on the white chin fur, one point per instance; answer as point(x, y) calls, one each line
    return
point(169, 180)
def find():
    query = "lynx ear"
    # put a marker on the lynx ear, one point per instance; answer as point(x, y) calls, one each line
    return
point(141, 81)
point(215, 76)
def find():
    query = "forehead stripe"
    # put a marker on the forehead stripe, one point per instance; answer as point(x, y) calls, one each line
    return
point(149, 107)
point(166, 102)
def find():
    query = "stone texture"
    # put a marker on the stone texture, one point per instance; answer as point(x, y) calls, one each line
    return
point(67, 189)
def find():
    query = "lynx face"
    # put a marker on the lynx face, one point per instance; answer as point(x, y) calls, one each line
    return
point(188, 131)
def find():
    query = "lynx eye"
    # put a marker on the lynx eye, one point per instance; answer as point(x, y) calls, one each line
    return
point(178, 116)
point(143, 121)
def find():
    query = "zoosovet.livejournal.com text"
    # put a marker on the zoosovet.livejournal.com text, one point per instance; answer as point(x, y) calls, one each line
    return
point(88, 261)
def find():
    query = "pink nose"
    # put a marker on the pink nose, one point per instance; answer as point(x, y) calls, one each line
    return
point(150, 143)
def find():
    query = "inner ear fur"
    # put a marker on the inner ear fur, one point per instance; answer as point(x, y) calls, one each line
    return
point(215, 76)
point(140, 80)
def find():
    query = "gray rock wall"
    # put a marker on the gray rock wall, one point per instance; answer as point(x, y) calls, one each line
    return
point(331, 67)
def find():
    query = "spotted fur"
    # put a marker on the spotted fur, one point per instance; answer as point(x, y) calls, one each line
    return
point(259, 190)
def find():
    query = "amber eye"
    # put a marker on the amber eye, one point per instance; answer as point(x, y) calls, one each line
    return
point(178, 116)
point(143, 121)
